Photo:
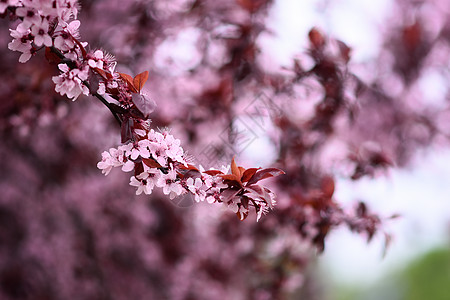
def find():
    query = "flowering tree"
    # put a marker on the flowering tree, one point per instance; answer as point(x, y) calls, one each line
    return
point(101, 242)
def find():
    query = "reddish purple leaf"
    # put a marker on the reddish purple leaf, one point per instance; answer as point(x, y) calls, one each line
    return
point(126, 133)
point(235, 169)
point(129, 80)
point(145, 105)
point(248, 174)
point(139, 80)
point(151, 163)
point(265, 173)
point(213, 172)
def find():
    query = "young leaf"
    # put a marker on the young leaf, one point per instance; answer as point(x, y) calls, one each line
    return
point(248, 174)
point(139, 80)
point(234, 169)
point(327, 186)
point(265, 173)
point(241, 172)
point(144, 104)
point(129, 80)
point(126, 133)
point(151, 163)
point(105, 75)
point(231, 177)
point(213, 172)
point(242, 216)
point(189, 167)
point(316, 38)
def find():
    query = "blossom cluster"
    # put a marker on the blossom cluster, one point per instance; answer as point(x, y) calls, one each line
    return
point(53, 24)
point(158, 160)
point(41, 22)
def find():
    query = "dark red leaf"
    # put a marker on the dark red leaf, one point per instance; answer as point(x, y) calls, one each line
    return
point(117, 109)
point(213, 172)
point(138, 169)
point(265, 173)
point(232, 180)
point(344, 50)
point(139, 80)
point(126, 133)
point(241, 172)
point(235, 169)
point(327, 185)
point(242, 216)
point(316, 38)
point(151, 163)
point(105, 75)
point(129, 80)
point(248, 174)
point(189, 167)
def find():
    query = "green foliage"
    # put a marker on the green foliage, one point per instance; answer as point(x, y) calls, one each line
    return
point(428, 277)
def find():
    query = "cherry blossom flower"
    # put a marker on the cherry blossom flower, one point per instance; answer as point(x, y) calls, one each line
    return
point(128, 166)
point(40, 32)
point(170, 185)
point(29, 14)
point(96, 59)
point(21, 42)
point(67, 9)
point(64, 41)
point(107, 163)
point(145, 182)
point(70, 82)
point(141, 185)
point(174, 151)
point(5, 4)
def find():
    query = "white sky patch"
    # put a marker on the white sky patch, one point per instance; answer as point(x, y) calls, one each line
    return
point(290, 22)
point(258, 150)
point(358, 23)
point(355, 22)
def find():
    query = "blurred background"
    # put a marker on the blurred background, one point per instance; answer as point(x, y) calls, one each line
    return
point(350, 98)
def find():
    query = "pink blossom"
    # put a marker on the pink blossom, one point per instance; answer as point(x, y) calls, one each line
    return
point(5, 4)
point(145, 182)
point(70, 82)
point(107, 163)
point(64, 40)
point(21, 42)
point(174, 151)
point(128, 166)
point(168, 182)
point(29, 14)
point(40, 32)
point(96, 59)
point(67, 9)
